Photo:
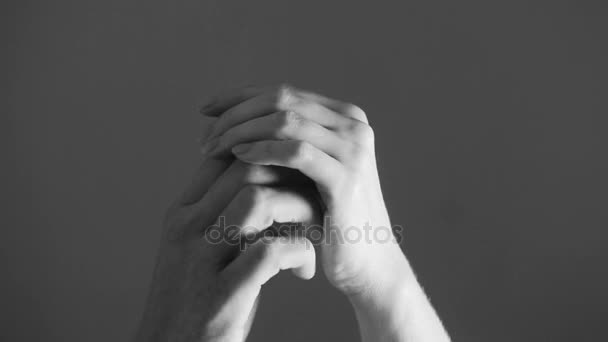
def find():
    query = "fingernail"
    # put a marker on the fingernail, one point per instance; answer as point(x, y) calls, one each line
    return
point(241, 149)
point(209, 146)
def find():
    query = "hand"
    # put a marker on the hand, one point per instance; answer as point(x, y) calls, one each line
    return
point(204, 288)
point(332, 143)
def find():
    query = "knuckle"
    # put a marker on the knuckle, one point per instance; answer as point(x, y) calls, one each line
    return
point(284, 96)
point(252, 196)
point(362, 133)
point(252, 173)
point(288, 121)
point(302, 153)
point(356, 112)
point(254, 200)
point(241, 169)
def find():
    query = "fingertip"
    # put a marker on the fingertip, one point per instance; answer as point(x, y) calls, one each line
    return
point(305, 272)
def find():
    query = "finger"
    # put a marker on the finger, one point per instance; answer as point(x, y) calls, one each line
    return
point(267, 256)
point(284, 125)
point(348, 109)
point(252, 314)
point(312, 162)
point(282, 98)
point(221, 102)
point(230, 182)
point(256, 208)
point(207, 173)
point(244, 277)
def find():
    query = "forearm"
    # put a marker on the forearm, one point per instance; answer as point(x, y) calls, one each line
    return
point(398, 312)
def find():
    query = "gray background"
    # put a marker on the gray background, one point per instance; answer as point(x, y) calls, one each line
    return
point(490, 121)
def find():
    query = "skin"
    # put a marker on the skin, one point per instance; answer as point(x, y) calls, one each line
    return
point(207, 291)
point(331, 143)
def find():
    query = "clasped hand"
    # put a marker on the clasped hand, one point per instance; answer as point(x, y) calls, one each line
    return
point(280, 155)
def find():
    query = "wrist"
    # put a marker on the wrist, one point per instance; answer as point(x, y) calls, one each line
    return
point(387, 291)
point(397, 310)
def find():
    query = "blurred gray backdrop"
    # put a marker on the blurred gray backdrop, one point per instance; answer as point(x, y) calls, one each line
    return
point(491, 137)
